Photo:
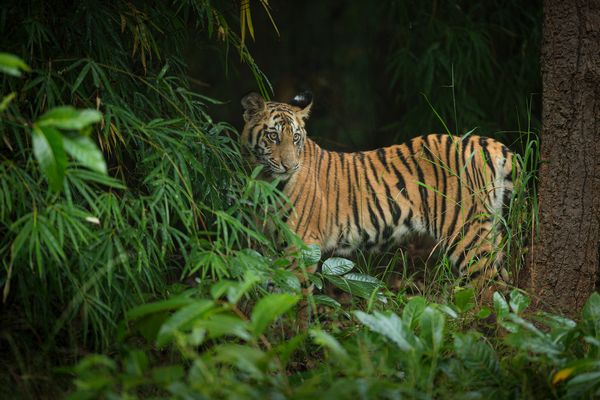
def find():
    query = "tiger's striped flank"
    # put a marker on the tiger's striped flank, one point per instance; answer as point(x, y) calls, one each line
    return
point(450, 188)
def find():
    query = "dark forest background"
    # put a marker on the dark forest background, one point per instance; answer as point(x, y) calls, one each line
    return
point(378, 70)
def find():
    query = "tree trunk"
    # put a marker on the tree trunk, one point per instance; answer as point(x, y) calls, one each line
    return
point(566, 254)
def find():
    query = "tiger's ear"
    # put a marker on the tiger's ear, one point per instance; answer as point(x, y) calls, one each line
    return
point(253, 104)
point(304, 102)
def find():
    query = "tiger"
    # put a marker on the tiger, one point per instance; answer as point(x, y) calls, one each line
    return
point(450, 188)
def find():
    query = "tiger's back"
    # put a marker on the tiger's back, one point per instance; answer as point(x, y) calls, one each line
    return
point(450, 188)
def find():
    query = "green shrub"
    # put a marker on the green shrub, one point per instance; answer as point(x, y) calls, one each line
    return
point(208, 347)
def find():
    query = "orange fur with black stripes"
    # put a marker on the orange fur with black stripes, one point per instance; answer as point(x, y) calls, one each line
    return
point(450, 188)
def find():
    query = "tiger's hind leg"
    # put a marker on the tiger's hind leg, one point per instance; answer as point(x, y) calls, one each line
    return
point(478, 255)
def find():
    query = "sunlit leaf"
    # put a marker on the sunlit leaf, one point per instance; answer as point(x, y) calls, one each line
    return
point(84, 150)
point(326, 301)
point(269, 308)
point(392, 328)
point(12, 65)
point(182, 319)
point(500, 305)
point(50, 154)
point(67, 117)
point(518, 301)
point(336, 266)
point(311, 255)
point(432, 324)
point(413, 310)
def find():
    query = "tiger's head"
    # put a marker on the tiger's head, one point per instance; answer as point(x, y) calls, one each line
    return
point(274, 133)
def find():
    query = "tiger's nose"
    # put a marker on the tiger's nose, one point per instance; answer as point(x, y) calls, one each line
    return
point(290, 166)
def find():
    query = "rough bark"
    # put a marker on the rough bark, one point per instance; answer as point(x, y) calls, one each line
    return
point(565, 267)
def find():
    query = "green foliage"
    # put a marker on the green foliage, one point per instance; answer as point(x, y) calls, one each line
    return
point(336, 270)
point(50, 144)
point(419, 352)
point(147, 189)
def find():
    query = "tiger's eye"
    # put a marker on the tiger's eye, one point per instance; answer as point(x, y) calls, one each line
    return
point(273, 136)
point(296, 137)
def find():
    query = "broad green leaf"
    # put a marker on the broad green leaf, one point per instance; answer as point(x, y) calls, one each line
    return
point(413, 310)
point(532, 344)
point(518, 301)
point(287, 280)
point(586, 377)
point(523, 323)
point(500, 305)
point(591, 315)
point(336, 266)
point(484, 312)
point(392, 328)
point(269, 308)
point(249, 359)
point(225, 325)
point(592, 340)
point(324, 339)
point(84, 150)
point(363, 278)
point(554, 321)
point(235, 292)
point(477, 355)
point(311, 255)
point(432, 324)
point(360, 285)
point(316, 280)
point(447, 309)
point(50, 154)
point(182, 319)
point(12, 65)
point(174, 303)
point(326, 301)
point(68, 117)
point(221, 288)
point(464, 299)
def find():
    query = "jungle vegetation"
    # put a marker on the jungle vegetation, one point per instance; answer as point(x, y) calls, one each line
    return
point(132, 261)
